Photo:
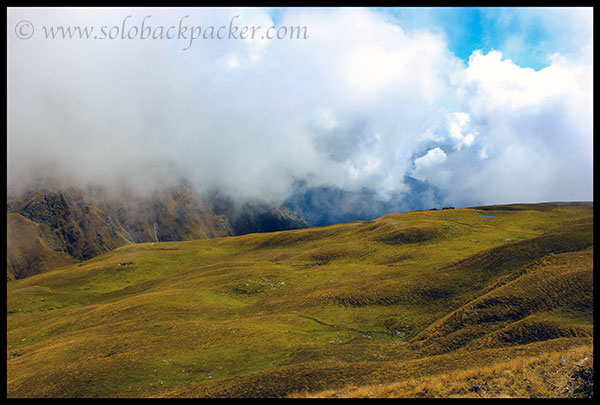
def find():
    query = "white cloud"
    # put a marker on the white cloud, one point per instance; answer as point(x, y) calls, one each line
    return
point(430, 167)
point(459, 124)
point(351, 106)
point(538, 125)
point(432, 157)
point(505, 85)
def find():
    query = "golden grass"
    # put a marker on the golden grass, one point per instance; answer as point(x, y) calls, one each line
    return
point(267, 315)
point(566, 374)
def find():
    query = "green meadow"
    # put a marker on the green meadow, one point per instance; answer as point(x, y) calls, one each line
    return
point(407, 299)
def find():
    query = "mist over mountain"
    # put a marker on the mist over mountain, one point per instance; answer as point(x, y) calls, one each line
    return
point(374, 112)
point(50, 226)
point(252, 216)
point(328, 205)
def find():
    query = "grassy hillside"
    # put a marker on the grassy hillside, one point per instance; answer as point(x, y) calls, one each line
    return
point(51, 227)
point(563, 374)
point(420, 296)
point(31, 248)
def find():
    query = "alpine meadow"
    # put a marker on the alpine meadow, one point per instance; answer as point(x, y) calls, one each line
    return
point(299, 202)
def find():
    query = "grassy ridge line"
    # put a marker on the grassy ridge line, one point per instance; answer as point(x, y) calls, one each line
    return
point(460, 280)
point(543, 206)
point(313, 377)
point(555, 374)
point(560, 282)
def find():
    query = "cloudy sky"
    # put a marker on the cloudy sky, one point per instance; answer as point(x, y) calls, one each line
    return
point(481, 106)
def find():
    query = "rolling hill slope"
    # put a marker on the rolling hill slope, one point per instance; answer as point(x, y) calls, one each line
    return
point(318, 311)
point(50, 226)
